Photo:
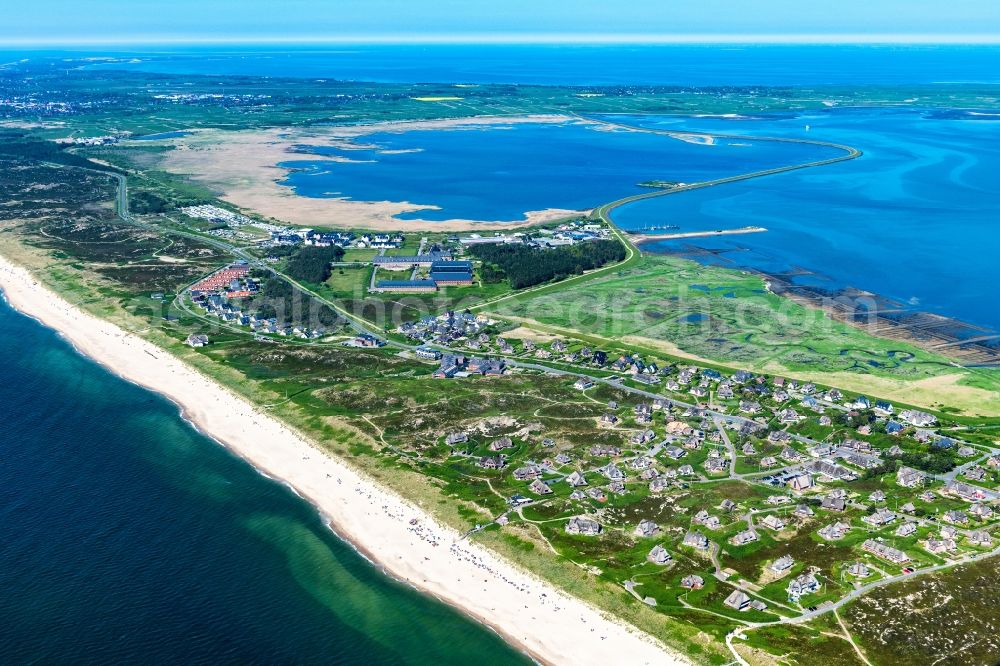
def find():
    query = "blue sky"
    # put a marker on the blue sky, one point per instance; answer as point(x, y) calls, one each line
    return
point(104, 21)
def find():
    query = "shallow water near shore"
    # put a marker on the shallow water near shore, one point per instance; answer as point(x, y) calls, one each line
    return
point(130, 537)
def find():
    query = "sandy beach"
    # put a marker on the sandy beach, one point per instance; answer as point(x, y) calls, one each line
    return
point(551, 626)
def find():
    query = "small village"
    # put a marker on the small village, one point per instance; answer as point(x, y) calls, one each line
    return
point(230, 224)
point(752, 495)
point(220, 295)
point(236, 226)
point(451, 333)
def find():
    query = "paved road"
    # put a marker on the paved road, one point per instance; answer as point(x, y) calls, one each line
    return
point(961, 469)
point(720, 426)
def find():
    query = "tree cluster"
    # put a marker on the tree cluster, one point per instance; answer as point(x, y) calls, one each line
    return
point(312, 264)
point(147, 202)
point(525, 266)
point(935, 461)
point(279, 300)
point(18, 144)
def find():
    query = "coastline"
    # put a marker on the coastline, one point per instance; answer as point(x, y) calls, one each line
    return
point(531, 614)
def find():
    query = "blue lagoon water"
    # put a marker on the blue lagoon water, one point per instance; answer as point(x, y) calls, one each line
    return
point(916, 218)
point(499, 172)
point(128, 537)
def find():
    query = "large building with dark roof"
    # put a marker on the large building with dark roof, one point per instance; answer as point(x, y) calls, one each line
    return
point(449, 273)
point(406, 286)
point(402, 263)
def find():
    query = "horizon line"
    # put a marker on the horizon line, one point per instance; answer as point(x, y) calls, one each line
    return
point(541, 39)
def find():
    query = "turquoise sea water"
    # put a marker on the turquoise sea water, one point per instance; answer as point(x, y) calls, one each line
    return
point(128, 537)
point(498, 172)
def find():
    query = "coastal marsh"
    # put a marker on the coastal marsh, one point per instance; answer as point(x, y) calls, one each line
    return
point(675, 306)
